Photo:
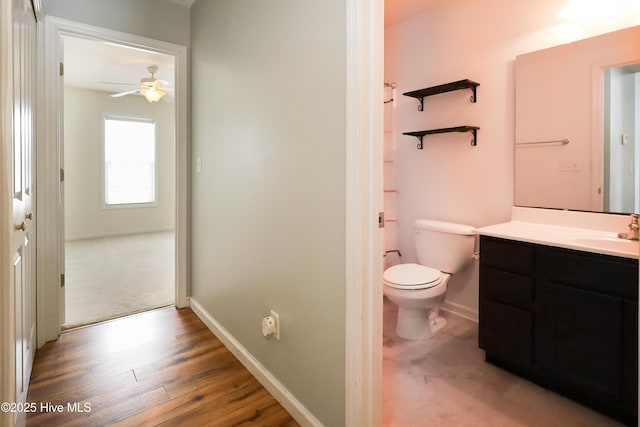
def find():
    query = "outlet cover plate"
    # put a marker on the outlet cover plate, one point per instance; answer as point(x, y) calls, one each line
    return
point(276, 316)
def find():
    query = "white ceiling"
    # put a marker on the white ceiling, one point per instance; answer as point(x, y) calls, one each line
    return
point(92, 64)
point(98, 65)
point(396, 11)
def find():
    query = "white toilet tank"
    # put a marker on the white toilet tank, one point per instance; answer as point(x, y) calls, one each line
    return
point(445, 246)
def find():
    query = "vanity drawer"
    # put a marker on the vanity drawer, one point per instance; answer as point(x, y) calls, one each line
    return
point(506, 255)
point(505, 287)
point(598, 273)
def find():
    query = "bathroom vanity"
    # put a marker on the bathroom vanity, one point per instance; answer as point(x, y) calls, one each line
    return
point(559, 305)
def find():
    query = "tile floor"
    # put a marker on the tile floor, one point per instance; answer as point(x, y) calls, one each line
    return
point(444, 381)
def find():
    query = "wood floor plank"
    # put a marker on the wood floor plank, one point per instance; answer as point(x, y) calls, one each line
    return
point(224, 377)
point(162, 367)
point(69, 352)
point(250, 409)
point(81, 385)
point(207, 365)
point(75, 376)
point(108, 410)
point(210, 398)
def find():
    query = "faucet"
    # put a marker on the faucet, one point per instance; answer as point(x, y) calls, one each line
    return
point(633, 229)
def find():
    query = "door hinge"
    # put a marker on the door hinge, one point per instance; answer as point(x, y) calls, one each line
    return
point(61, 69)
point(61, 175)
point(381, 220)
point(62, 280)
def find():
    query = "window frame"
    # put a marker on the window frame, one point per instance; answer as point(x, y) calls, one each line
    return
point(131, 118)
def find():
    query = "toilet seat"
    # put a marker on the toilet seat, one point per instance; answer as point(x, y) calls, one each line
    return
point(411, 276)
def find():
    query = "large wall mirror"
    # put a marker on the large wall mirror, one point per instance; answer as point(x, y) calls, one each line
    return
point(577, 142)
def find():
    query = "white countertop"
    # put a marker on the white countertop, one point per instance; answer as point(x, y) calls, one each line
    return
point(582, 239)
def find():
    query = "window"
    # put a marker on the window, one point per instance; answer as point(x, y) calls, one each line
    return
point(129, 161)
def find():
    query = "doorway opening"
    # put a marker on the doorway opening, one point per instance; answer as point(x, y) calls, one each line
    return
point(119, 183)
point(621, 139)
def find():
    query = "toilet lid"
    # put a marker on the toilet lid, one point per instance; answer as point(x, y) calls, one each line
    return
point(411, 275)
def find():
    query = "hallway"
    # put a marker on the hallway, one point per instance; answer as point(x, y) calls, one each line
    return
point(162, 367)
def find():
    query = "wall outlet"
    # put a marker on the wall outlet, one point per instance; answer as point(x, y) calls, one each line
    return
point(276, 316)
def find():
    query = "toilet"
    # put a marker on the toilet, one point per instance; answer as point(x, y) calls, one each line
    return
point(443, 248)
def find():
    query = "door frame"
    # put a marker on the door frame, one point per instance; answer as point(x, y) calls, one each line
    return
point(49, 158)
point(7, 309)
point(364, 201)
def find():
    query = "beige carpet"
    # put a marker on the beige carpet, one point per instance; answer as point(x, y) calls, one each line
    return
point(115, 276)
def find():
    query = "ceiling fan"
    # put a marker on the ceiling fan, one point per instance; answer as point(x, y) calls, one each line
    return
point(151, 88)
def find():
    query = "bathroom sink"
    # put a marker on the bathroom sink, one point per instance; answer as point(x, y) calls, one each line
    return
point(607, 243)
point(582, 231)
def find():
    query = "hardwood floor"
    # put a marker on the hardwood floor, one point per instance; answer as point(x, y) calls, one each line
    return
point(159, 368)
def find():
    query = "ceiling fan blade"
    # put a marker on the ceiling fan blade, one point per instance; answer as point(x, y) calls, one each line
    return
point(166, 83)
point(129, 92)
point(119, 83)
point(163, 84)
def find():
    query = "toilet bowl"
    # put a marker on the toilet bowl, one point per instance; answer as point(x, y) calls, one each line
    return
point(442, 248)
point(418, 291)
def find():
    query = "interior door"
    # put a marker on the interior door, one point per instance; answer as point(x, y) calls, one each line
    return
point(24, 84)
point(60, 224)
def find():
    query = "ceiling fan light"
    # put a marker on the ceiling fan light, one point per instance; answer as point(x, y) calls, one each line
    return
point(153, 94)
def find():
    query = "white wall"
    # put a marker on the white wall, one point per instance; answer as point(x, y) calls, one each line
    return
point(268, 207)
point(156, 19)
point(84, 215)
point(449, 179)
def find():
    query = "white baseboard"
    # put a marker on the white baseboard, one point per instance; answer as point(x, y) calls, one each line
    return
point(460, 310)
point(292, 405)
point(116, 234)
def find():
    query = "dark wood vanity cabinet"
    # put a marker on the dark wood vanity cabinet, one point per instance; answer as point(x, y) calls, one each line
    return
point(506, 300)
point(563, 318)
